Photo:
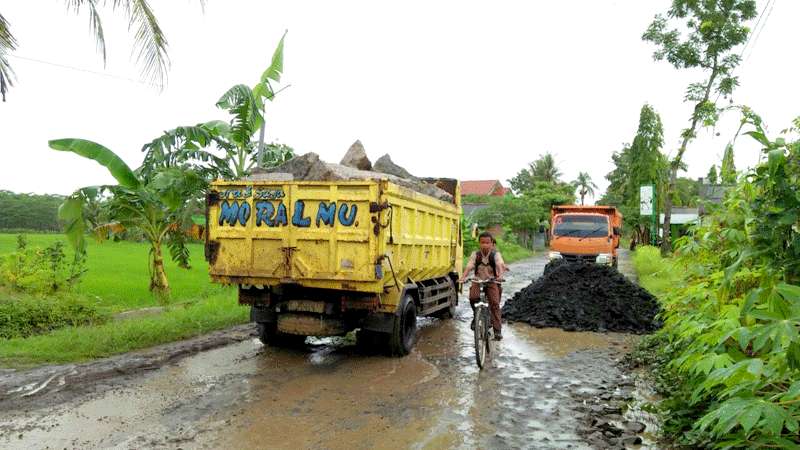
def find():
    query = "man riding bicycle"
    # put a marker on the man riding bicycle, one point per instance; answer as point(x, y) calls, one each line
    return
point(487, 264)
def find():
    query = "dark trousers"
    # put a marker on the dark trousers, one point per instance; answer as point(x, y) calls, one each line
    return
point(492, 297)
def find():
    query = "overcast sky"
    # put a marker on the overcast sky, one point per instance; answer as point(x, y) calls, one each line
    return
point(471, 90)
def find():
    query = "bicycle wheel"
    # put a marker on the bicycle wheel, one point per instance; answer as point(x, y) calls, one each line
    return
point(487, 331)
point(480, 336)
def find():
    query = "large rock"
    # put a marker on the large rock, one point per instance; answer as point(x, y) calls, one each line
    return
point(384, 164)
point(309, 167)
point(356, 157)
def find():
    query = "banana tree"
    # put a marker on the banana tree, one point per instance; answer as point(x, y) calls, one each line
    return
point(158, 205)
point(227, 149)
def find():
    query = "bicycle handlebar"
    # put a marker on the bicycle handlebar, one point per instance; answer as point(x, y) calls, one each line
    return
point(479, 281)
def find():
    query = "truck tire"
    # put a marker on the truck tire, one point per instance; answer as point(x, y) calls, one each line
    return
point(269, 335)
point(404, 334)
point(370, 342)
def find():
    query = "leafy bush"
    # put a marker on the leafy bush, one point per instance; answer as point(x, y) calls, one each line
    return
point(26, 316)
point(730, 350)
point(39, 270)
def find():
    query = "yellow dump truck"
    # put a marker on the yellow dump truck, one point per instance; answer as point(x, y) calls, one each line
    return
point(323, 258)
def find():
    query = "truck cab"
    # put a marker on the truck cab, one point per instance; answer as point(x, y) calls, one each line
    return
point(585, 233)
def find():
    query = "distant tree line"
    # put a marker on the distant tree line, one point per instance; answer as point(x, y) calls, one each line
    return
point(29, 211)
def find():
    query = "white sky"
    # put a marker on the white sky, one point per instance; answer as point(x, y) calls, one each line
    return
point(471, 90)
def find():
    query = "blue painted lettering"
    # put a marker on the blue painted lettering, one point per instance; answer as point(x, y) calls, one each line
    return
point(264, 213)
point(244, 213)
point(343, 218)
point(297, 218)
point(326, 213)
point(229, 211)
point(281, 218)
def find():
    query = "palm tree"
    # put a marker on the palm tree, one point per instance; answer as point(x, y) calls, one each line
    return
point(150, 43)
point(584, 185)
point(158, 203)
point(544, 169)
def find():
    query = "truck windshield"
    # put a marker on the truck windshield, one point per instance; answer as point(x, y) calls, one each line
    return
point(580, 225)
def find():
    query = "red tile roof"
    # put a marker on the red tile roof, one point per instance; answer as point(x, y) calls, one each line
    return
point(481, 187)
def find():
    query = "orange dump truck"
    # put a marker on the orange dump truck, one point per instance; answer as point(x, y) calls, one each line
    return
point(585, 233)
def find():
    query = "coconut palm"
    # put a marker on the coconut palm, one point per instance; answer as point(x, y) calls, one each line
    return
point(544, 169)
point(150, 43)
point(584, 185)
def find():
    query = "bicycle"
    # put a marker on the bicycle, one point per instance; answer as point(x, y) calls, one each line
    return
point(483, 331)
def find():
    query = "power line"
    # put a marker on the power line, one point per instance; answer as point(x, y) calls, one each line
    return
point(79, 69)
point(766, 19)
point(771, 5)
point(760, 16)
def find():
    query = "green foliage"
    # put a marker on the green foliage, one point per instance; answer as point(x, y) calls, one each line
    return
point(712, 176)
point(158, 203)
point(713, 30)
point(728, 168)
point(542, 170)
point(636, 165)
point(75, 344)
point(512, 251)
point(220, 149)
point(529, 211)
point(149, 41)
point(29, 211)
point(108, 259)
point(22, 315)
point(584, 185)
point(39, 270)
point(731, 340)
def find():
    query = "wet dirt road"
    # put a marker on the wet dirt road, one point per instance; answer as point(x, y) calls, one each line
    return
point(540, 390)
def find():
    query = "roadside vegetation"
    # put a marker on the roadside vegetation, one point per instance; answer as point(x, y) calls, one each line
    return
point(728, 358)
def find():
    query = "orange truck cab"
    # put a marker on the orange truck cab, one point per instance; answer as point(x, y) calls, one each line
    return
point(585, 233)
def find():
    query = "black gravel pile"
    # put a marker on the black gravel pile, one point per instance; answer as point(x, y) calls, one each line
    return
point(584, 297)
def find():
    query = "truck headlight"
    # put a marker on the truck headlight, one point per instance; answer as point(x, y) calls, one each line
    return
point(555, 255)
point(603, 258)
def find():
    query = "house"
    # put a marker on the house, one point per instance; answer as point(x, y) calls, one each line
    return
point(491, 188)
point(482, 188)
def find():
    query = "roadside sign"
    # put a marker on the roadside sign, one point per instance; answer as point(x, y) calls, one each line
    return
point(646, 198)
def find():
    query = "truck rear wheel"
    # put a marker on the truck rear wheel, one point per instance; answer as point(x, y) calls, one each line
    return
point(404, 333)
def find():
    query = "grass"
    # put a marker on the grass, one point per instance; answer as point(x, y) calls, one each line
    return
point(512, 252)
point(656, 274)
point(117, 279)
point(118, 276)
point(74, 344)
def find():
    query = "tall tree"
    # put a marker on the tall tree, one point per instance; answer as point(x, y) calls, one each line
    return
point(584, 185)
point(715, 29)
point(712, 176)
point(640, 163)
point(150, 42)
point(727, 171)
point(543, 169)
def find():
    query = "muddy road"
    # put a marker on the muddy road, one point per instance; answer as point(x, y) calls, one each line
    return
point(544, 388)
